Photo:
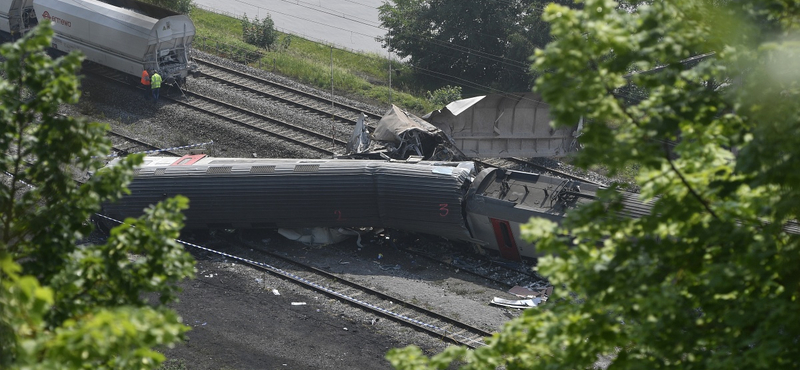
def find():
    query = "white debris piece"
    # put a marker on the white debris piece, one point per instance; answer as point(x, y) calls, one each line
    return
point(522, 303)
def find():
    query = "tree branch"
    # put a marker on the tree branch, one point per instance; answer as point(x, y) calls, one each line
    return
point(686, 183)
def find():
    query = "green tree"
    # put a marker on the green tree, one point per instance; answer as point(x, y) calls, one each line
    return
point(477, 44)
point(710, 279)
point(259, 33)
point(65, 303)
point(445, 95)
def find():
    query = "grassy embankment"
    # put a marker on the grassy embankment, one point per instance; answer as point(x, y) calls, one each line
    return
point(360, 76)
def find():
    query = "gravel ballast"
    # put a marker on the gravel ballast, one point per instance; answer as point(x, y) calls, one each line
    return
point(237, 321)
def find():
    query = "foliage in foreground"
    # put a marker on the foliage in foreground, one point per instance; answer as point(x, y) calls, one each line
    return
point(65, 305)
point(710, 279)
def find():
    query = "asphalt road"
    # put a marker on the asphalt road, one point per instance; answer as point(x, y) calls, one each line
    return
point(348, 24)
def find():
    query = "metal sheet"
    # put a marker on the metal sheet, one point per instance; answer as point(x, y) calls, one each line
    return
point(96, 23)
point(120, 38)
point(396, 122)
point(504, 125)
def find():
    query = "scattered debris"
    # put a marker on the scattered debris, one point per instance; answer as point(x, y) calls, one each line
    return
point(298, 303)
point(529, 292)
point(276, 292)
point(316, 236)
point(522, 303)
point(401, 135)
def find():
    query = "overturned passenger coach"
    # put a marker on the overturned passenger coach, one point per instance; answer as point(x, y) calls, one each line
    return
point(230, 193)
point(446, 199)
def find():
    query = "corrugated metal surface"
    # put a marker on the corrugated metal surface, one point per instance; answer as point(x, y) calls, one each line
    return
point(95, 23)
point(504, 125)
point(266, 193)
point(120, 38)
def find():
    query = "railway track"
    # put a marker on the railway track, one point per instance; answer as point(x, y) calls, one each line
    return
point(241, 116)
point(311, 103)
point(262, 123)
point(124, 145)
point(361, 296)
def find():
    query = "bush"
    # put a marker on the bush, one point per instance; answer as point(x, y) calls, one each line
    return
point(443, 96)
point(180, 6)
point(259, 33)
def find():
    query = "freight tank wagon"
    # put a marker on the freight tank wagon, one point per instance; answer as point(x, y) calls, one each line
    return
point(111, 36)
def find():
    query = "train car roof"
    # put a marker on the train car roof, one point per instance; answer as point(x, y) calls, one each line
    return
point(202, 165)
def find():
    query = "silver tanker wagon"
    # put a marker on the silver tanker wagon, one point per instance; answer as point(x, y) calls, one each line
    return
point(115, 37)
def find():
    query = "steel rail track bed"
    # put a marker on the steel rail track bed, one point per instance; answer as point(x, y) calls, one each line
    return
point(434, 323)
point(241, 116)
point(261, 123)
point(139, 143)
point(288, 95)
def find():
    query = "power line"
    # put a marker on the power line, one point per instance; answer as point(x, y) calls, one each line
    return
point(455, 47)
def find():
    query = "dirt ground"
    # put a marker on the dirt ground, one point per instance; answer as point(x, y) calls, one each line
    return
point(238, 322)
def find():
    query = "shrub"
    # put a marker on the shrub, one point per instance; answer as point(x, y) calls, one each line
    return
point(443, 96)
point(259, 33)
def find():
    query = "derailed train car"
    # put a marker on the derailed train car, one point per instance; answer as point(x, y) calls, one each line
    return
point(447, 199)
point(115, 37)
point(230, 193)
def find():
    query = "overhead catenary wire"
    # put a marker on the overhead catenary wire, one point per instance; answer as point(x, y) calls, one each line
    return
point(455, 47)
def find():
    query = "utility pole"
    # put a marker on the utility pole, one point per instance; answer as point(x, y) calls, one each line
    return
point(389, 44)
point(333, 126)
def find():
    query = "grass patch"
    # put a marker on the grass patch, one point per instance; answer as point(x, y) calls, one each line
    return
point(360, 76)
point(173, 364)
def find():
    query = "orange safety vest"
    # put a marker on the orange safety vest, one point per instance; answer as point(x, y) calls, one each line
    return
point(145, 78)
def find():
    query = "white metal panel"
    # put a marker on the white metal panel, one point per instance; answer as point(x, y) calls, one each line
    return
point(504, 125)
point(104, 57)
point(5, 13)
point(120, 38)
point(95, 23)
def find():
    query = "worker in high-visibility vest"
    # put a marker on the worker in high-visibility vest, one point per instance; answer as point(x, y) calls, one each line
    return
point(146, 82)
point(155, 84)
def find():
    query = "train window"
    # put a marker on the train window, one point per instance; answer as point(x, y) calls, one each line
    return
point(218, 170)
point(306, 168)
point(262, 169)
